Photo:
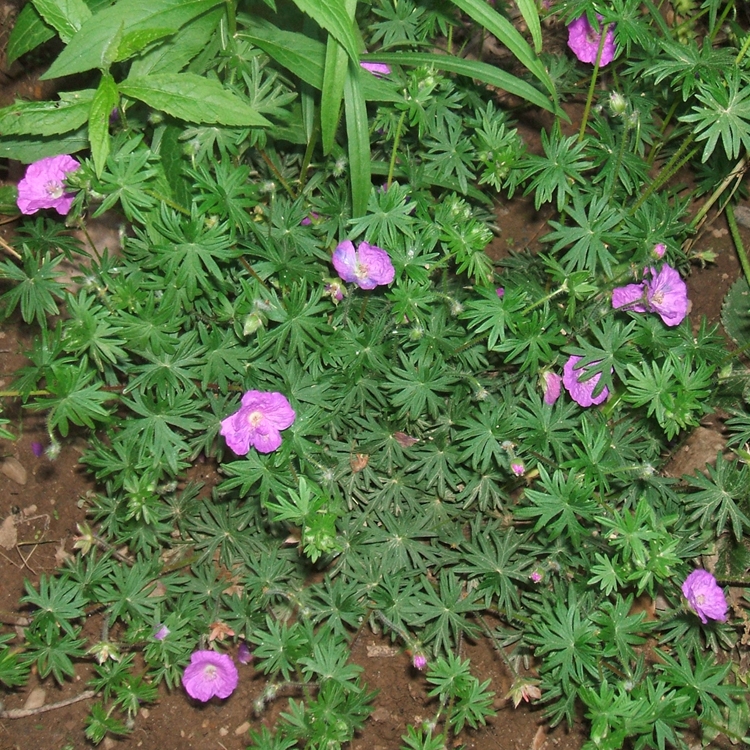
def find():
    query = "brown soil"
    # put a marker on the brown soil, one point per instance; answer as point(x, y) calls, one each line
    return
point(47, 499)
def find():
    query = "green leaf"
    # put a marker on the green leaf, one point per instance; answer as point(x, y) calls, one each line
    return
point(105, 100)
point(91, 45)
point(27, 149)
point(305, 58)
point(334, 17)
point(8, 197)
point(334, 77)
point(72, 399)
point(47, 118)
point(724, 113)
point(735, 312)
point(509, 36)
point(358, 137)
point(193, 98)
point(173, 54)
point(66, 16)
point(28, 33)
point(530, 14)
point(488, 74)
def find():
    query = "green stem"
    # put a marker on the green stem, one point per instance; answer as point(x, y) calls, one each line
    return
point(744, 49)
point(394, 152)
point(674, 164)
point(275, 170)
point(738, 244)
point(168, 201)
point(307, 158)
point(592, 85)
point(735, 174)
point(231, 19)
point(551, 295)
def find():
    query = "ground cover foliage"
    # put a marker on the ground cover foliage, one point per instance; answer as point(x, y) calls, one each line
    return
point(432, 484)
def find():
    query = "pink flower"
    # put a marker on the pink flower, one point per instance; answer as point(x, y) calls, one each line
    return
point(161, 632)
point(582, 392)
point(584, 41)
point(665, 294)
point(258, 423)
point(312, 216)
point(244, 655)
point(43, 185)
point(518, 468)
point(705, 597)
point(551, 387)
point(368, 266)
point(659, 250)
point(377, 69)
point(419, 661)
point(500, 291)
point(210, 674)
point(536, 576)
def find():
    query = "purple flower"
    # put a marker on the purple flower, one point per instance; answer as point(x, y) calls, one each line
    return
point(665, 294)
point(210, 674)
point(419, 661)
point(584, 41)
point(377, 69)
point(368, 266)
point(258, 423)
point(312, 216)
point(659, 250)
point(37, 449)
point(536, 576)
point(43, 185)
point(582, 392)
point(500, 291)
point(518, 468)
point(705, 597)
point(244, 656)
point(161, 632)
point(551, 387)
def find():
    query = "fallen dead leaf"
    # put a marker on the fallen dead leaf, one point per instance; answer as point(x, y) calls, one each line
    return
point(14, 470)
point(36, 699)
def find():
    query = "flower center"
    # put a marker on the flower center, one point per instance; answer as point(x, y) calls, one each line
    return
point(210, 672)
point(361, 271)
point(54, 189)
point(255, 418)
point(700, 599)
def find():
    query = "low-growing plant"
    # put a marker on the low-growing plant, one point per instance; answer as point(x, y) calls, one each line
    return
point(458, 448)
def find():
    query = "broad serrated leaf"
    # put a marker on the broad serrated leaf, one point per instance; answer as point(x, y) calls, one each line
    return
point(90, 46)
point(65, 16)
point(28, 149)
point(735, 313)
point(47, 118)
point(28, 33)
point(172, 55)
point(105, 100)
point(193, 98)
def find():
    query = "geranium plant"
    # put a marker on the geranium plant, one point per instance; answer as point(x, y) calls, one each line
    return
point(459, 448)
